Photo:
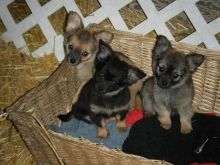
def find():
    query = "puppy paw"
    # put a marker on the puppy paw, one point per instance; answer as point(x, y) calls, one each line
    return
point(64, 117)
point(102, 132)
point(165, 122)
point(121, 126)
point(166, 125)
point(186, 128)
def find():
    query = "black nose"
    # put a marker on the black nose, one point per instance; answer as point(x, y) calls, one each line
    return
point(100, 88)
point(164, 82)
point(72, 60)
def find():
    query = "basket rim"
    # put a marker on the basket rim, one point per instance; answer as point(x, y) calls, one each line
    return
point(117, 33)
point(102, 148)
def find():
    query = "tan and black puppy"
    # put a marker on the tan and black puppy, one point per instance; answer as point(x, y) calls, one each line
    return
point(171, 88)
point(81, 46)
point(106, 94)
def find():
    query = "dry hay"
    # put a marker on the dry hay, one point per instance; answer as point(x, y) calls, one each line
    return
point(20, 73)
point(87, 7)
point(132, 14)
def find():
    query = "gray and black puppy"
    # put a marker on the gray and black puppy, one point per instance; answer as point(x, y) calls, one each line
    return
point(170, 89)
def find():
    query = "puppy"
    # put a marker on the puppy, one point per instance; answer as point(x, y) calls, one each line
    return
point(81, 47)
point(106, 94)
point(171, 87)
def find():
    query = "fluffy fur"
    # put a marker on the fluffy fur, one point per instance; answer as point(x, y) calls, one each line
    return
point(106, 94)
point(171, 88)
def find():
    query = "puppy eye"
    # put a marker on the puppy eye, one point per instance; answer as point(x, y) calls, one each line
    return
point(84, 54)
point(176, 75)
point(70, 47)
point(114, 82)
point(161, 68)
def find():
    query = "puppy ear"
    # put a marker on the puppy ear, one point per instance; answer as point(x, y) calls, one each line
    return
point(162, 44)
point(104, 51)
point(135, 74)
point(194, 60)
point(73, 22)
point(104, 35)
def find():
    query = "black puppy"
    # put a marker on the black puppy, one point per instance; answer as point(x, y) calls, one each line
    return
point(106, 94)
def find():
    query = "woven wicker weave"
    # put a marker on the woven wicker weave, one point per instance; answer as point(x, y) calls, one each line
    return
point(32, 113)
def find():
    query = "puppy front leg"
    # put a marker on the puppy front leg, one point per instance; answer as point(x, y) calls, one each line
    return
point(147, 101)
point(99, 121)
point(186, 114)
point(76, 96)
point(147, 105)
point(163, 116)
point(120, 121)
point(134, 89)
point(102, 132)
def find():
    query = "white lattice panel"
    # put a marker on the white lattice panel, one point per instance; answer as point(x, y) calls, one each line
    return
point(204, 32)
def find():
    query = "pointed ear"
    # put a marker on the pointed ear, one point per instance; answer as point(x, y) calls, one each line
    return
point(162, 44)
point(194, 61)
point(104, 51)
point(104, 35)
point(73, 22)
point(135, 74)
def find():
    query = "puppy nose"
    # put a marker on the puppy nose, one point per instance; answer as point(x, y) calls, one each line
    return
point(99, 88)
point(164, 82)
point(72, 60)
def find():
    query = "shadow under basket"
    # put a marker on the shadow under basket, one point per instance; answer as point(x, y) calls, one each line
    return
point(32, 113)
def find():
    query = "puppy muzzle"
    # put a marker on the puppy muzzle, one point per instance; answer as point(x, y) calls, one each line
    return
point(164, 82)
point(100, 89)
point(73, 58)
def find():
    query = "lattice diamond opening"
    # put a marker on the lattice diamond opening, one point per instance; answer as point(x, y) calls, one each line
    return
point(19, 10)
point(43, 2)
point(210, 9)
point(217, 36)
point(34, 38)
point(57, 19)
point(160, 4)
point(180, 26)
point(202, 45)
point(132, 14)
point(88, 7)
point(2, 27)
point(106, 23)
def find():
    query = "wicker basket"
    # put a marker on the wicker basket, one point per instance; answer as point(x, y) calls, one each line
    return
point(32, 113)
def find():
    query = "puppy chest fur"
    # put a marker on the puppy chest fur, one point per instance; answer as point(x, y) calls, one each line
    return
point(112, 104)
point(172, 99)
